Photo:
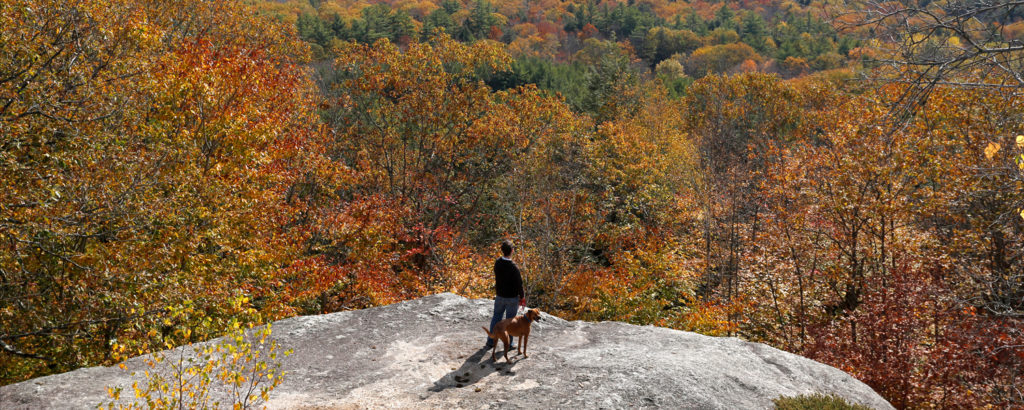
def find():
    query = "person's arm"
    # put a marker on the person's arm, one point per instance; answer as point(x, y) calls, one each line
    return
point(496, 280)
point(519, 282)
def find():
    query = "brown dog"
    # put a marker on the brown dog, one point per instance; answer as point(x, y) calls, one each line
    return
point(512, 327)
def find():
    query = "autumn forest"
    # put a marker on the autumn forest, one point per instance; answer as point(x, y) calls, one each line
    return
point(843, 180)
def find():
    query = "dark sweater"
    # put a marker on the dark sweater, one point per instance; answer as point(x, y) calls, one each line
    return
point(507, 282)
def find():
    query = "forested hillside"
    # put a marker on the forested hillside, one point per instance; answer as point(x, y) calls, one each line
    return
point(844, 183)
point(552, 43)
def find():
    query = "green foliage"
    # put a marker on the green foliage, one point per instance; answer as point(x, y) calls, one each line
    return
point(807, 37)
point(724, 18)
point(673, 77)
point(311, 28)
point(605, 82)
point(753, 31)
point(695, 23)
point(654, 38)
point(661, 43)
point(438, 19)
point(479, 22)
point(380, 21)
point(723, 35)
point(620, 21)
point(377, 21)
point(816, 401)
point(565, 79)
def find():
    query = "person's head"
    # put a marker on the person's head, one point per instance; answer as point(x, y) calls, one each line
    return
point(506, 248)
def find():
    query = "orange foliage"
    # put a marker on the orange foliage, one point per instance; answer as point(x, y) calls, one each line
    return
point(167, 174)
point(142, 154)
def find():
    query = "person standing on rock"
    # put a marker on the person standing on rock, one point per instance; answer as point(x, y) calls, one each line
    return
point(508, 287)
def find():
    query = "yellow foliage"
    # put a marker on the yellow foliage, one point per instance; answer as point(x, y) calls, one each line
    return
point(992, 149)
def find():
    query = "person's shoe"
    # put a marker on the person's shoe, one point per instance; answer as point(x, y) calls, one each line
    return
point(511, 348)
point(488, 346)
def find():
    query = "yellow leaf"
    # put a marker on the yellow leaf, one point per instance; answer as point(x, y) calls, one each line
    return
point(991, 150)
point(1020, 141)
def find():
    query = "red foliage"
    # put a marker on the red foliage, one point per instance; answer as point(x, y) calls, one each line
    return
point(494, 33)
point(910, 340)
point(588, 31)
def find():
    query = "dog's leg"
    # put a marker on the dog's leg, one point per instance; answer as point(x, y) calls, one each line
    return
point(507, 340)
point(494, 349)
point(523, 340)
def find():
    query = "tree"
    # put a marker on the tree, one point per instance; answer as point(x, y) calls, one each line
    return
point(753, 31)
point(437, 19)
point(719, 59)
point(724, 18)
point(429, 146)
point(695, 23)
point(794, 67)
point(935, 43)
point(610, 82)
point(380, 21)
point(142, 148)
point(734, 120)
point(312, 29)
point(866, 260)
point(661, 43)
point(478, 24)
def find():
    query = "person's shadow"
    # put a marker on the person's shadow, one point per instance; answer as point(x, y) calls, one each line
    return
point(476, 367)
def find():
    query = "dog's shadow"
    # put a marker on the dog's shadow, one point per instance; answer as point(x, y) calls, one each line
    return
point(476, 367)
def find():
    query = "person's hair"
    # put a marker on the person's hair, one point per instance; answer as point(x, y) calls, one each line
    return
point(506, 248)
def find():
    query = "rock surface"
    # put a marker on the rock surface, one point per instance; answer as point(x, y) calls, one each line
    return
point(427, 353)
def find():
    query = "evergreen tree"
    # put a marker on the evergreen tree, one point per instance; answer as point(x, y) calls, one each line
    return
point(661, 43)
point(379, 21)
point(604, 82)
point(479, 22)
point(340, 27)
point(439, 18)
point(312, 29)
point(696, 24)
point(450, 6)
point(752, 30)
point(724, 18)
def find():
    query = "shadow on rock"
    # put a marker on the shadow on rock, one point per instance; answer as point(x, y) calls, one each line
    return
point(476, 367)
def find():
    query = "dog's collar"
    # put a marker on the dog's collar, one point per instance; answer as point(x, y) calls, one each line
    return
point(528, 320)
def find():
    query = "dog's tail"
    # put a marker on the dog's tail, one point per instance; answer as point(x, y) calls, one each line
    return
point(488, 332)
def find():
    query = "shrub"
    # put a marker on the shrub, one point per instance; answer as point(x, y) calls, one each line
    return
point(816, 401)
point(247, 366)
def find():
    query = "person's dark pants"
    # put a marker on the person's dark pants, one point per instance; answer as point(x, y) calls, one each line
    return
point(502, 307)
